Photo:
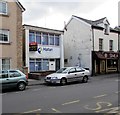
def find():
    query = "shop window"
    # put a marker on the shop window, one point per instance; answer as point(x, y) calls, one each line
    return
point(45, 64)
point(38, 64)
point(111, 63)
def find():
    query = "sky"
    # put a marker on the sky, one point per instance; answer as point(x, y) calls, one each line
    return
point(54, 14)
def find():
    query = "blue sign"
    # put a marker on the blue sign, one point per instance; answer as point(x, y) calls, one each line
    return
point(40, 50)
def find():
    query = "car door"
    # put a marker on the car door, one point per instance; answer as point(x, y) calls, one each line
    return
point(80, 73)
point(14, 77)
point(71, 75)
point(4, 79)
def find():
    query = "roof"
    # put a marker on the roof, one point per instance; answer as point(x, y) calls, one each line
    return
point(30, 27)
point(94, 24)
point(20, 5)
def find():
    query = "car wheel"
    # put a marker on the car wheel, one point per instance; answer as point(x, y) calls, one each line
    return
point(21, 86)
point(63, 81)
point(85, 79)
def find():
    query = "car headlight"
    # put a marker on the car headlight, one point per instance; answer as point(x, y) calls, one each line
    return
point(54, 78)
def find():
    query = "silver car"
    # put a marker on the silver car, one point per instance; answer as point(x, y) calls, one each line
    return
point(68, 74)
point(13, 78)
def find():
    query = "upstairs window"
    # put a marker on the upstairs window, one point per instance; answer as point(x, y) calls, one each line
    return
point(3, 7)
point(106, 29)
point(100, 44)
point(4, 36)
point(57, 40)
point(111, 45)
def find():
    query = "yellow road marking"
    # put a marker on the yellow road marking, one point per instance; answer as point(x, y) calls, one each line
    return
point(57, 111)
point(32, 111)
point(71, 102)
point(100, 96)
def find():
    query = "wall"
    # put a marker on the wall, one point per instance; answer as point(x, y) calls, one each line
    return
point(78, 44)
point(100, 34)
point(13, 23)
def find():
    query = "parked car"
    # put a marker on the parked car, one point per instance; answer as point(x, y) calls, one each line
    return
point(68, 74)
point(12, 79)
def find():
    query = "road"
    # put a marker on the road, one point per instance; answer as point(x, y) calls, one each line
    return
point(99, 95)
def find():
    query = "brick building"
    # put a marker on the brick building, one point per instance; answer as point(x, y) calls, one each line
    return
point(11, 45)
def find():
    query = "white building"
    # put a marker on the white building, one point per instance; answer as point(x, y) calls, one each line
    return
point(91, 44)
point(43, 49)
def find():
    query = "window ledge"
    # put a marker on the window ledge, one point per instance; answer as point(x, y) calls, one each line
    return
point(6, 43)
point(4, 15)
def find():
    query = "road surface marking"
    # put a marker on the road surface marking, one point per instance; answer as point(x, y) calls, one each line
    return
point(52, 87)
point(117, 80)
point(36, 89)
point(98, 106)
point(117, 92)
point(110, 110)
point(57, 111)
point(100, 96)
point(71, 102)
point(32, 111)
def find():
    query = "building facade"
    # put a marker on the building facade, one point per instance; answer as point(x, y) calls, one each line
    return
point(11, 34)
point(92, 44)
point(43, 49)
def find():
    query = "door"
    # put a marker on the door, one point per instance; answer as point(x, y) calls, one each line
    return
point(4, 79)
point(71, 75)
point(102, 66)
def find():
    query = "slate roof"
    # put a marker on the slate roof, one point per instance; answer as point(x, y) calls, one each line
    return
point(95, 23)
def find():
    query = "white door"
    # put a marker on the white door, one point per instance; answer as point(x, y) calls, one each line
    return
point(52, 65)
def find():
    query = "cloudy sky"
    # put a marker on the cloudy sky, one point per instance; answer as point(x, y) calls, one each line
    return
point(53, 13)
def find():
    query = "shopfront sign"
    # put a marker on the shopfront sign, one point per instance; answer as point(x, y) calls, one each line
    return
point(44, 49)
point(107, 55)
point(111, 55)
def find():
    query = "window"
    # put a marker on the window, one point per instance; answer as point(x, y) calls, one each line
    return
point(45, 64)
point(100, 44)
point(4, 36)
point(106, 29)
point(38, 37)
point(3, 7)
point(112, 63)
point(5, 64)
point(38, 65)
point(57, 40)
point(31, 37)
point(45, 39)
point(32, 65)
point(72, 70)
point(14, 74)
point(111, 45)
point(51, 39)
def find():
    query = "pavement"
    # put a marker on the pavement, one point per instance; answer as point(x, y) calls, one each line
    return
point(41, 81)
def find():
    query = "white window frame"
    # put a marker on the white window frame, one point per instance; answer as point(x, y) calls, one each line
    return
point(6, 64)
point(5, 2)
point(7, 33)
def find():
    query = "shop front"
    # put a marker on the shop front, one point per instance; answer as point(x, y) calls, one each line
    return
point(104, 62)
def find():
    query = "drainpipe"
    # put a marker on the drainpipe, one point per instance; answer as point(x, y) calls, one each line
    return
point(93, 65)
